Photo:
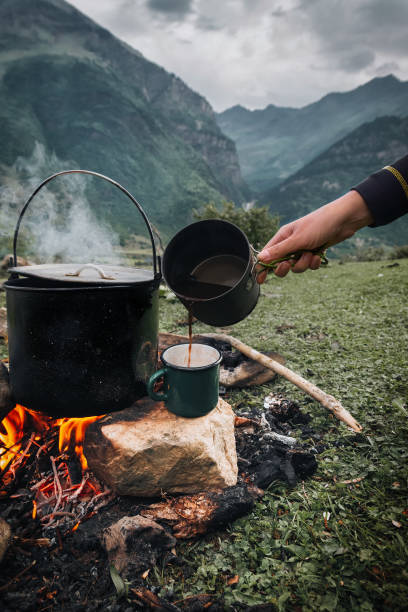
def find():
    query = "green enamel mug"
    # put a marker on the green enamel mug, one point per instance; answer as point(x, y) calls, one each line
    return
point(191, 385)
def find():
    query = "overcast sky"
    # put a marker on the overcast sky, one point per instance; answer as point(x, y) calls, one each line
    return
point(260, 52)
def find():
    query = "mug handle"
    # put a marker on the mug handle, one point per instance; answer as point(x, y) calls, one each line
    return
point(162, 397)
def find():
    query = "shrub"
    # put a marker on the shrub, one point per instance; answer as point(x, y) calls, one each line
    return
point(399, 252)
point(256, 223)
point(366, 253)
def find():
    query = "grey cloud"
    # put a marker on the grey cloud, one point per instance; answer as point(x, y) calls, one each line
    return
point(253, 5)
point(356, 60)
point(387, 68)
point(278, 12)
point(349, 36)
point(171, 8)
point(386, 24)
point(378, 12)
point(308, 47)
point(208, 23)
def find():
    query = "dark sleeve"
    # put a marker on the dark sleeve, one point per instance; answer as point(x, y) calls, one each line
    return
point(386, 192)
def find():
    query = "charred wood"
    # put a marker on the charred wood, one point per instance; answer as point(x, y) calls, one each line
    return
point(193, 515)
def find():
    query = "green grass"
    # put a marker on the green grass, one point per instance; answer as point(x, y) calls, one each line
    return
point(345, 328)
point(347, 331)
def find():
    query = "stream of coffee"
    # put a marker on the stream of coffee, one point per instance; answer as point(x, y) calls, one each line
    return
point(190, 334)
point(208, 280)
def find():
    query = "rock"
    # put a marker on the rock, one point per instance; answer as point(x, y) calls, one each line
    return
point(5, 537)
point(146, 451)
point(5, 263)
point(135, 543)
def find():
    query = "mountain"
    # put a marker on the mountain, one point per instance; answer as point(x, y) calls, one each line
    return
point(89, 100)
point(345, 164)
point(275, 142)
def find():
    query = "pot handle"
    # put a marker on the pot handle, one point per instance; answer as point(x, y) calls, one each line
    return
point(156, 258)
point(93, 267)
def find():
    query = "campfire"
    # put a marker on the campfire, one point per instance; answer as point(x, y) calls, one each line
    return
point(61, 513)
point(67, 494)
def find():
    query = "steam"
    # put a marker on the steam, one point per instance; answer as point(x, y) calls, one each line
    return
point(59, 224)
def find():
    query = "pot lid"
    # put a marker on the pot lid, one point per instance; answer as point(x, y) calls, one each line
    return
point(86, 273)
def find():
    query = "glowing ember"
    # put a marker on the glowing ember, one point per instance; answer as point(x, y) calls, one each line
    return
point(25, 438)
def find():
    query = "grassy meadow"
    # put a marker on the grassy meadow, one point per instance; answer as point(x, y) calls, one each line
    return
point(325, 544)
point(337, 541)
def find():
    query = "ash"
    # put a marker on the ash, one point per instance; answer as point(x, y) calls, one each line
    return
point(266, 448)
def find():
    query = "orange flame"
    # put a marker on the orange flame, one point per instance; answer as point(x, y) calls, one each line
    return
point(11, 432)
point(72, 432)
point(13, 426)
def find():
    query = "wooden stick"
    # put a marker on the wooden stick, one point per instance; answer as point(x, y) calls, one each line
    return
point(328, 401)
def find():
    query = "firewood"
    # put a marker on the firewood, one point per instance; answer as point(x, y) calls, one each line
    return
point(326, 400)
point(6, 401)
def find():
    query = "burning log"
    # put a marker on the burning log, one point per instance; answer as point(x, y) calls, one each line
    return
point(328, 401)
point(194, 515)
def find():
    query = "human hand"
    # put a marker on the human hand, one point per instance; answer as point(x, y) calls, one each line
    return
point(321, 228)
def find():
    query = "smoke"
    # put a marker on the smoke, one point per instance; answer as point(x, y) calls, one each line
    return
point(59, 224)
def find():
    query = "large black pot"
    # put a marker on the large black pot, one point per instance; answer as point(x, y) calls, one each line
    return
point(81, 342)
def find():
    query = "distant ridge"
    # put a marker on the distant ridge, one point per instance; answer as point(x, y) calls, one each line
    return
point(275, 142)
point(345, 164)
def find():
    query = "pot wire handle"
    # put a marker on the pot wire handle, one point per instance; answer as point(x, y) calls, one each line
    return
point(156, 258)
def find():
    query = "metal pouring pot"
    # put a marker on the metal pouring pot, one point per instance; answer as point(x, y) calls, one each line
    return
point(82, 338)
point(209, 265)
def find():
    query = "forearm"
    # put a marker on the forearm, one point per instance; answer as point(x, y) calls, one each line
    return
point(344, 217)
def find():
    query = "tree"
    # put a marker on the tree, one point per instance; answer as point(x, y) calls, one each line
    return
point(257, 223)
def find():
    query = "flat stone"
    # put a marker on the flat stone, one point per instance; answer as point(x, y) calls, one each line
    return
point(145, 450)
point(5, 537)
